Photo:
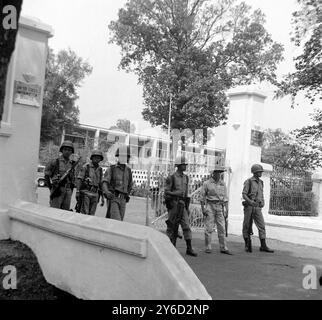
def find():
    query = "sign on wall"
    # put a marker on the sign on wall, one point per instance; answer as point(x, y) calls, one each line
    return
point(256, 138)
point(26, 93)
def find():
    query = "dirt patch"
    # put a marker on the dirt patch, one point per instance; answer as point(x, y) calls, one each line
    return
point(31, 284)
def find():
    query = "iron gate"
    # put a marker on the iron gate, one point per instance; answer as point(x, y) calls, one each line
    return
point(291, 193)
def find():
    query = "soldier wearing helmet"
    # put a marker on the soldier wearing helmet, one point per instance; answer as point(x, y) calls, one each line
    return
point(55, 170)
point(117, 184)
point(253, 204)
point(89, 184)
point(176, 193)
point(214, 204)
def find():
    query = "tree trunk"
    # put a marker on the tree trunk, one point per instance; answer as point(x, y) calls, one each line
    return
point(7, 46)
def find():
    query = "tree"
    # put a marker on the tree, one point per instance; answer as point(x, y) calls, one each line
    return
point(193, 51)
point(290, 151)
point(124, 125)
point(307, 22)
point(8, 33)
point(64, 75)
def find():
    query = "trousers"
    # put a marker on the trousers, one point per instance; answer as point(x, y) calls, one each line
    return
point(184, 222)
point(89, 203)
point(63, 200)
point(257, 215)
point(215, 215)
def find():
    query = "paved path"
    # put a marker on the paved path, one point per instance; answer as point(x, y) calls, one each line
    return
point(241, 276)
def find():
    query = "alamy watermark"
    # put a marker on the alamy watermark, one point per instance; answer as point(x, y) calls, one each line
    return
point(9, 17)
point(9, 281)
point(311, 281)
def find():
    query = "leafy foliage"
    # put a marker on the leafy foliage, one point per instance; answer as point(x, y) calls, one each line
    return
point(7, 46)
point(124, 125)
point(292, 151)
point(307, 23)
point(193, 51)
point(64, 75)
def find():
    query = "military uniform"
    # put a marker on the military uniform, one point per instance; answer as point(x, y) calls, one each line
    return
point(91, 178)
point(214, 195)
point(118, 180)
point(178, 182)
point(253, 204)
point(54, 170)
point(253, 188)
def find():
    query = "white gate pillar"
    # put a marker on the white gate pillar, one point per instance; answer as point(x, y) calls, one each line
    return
point(317, 192)
point(243, 150)
point(20, 130)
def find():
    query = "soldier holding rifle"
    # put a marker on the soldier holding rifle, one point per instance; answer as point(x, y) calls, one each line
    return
point(214, 204)
point(89, 185)
point(176, 191)
point(253, 204)
point(60, 177)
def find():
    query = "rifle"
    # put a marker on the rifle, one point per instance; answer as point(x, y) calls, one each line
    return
point(79, 202)
point(180, 209)
point(55, 191)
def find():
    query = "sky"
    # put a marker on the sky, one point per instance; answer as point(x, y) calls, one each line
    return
point(109, 94)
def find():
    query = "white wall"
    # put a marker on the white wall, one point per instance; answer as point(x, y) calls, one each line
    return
point(98, 258)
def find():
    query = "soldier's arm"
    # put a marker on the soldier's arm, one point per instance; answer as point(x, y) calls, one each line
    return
point(246, 191)
point(48, 173)
point(106, 183)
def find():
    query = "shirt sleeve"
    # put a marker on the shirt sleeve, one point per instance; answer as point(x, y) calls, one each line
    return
point(246, 187)
point(107, 176)
point(130, 186)
point(81, 174)
point(168, 184)
point(203, 191)
point(50, 168)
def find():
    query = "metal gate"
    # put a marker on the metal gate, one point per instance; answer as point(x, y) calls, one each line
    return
point(291, 193)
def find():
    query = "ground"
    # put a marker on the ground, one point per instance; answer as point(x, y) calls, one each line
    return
point(243, 276)
point(31, 284)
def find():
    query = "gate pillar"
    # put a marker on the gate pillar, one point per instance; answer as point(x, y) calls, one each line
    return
point(317, 191)
point(20, 128)
point(244, 142)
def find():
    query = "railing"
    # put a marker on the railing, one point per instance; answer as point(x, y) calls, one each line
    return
point(291, 193)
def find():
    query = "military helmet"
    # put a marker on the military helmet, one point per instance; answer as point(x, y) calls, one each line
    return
point(97, 153)
point(257, 168)
point(123, 151)
point(67, 144)
point(219, 169)
point(180, 160)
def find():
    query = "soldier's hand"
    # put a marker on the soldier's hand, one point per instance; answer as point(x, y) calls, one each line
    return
point(127, 199)
point(109, 195)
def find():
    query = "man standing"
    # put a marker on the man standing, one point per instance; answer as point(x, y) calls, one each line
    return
point(89, 183)
point(253, 204)
point(176, 190)
point(214, 201)
point(117, 185)
point(54, 172)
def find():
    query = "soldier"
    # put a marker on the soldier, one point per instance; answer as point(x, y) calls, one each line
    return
point(89, 184)
point(253, 204)
point(55, 170)
point(214, 201)
point(117, 185)
point(176, 190)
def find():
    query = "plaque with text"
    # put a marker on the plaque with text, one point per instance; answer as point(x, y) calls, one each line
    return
point(26, 93)
point(257, 138)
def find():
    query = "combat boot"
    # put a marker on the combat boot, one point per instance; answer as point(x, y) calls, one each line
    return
point(264, 247)
point(248, 244)
point(190, 251)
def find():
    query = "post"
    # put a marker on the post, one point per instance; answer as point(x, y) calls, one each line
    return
point(169, 136)
point(147, 220)
point(317, 193)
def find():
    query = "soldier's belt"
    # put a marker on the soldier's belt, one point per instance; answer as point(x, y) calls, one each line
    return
point(119, 195)
point(91, 189)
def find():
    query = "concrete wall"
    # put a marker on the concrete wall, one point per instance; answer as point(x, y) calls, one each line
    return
point(97, 258)
point(20, 130)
